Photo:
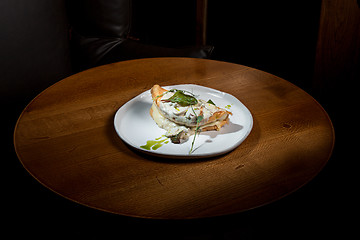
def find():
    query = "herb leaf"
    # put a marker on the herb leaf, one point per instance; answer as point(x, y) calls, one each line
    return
point(211, 102)
point(182, 99)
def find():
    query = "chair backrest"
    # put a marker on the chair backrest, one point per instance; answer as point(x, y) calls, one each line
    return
point(110, 18)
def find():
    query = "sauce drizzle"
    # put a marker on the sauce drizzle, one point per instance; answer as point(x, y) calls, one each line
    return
point(155, 144)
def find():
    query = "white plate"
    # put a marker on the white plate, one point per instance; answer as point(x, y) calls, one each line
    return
point(135, 126)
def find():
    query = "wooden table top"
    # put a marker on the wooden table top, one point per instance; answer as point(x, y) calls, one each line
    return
point(66, 139)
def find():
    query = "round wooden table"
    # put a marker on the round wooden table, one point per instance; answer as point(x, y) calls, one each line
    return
point(66, 139)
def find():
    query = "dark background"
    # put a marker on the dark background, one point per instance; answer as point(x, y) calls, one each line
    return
point(280, 37)
point(275, 36)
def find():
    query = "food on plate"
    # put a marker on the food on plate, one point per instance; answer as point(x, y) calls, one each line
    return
point(182, 114)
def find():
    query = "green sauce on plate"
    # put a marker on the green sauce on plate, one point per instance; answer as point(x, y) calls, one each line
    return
point(155, 144)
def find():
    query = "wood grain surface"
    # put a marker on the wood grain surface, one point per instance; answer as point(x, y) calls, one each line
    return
point(66, 139)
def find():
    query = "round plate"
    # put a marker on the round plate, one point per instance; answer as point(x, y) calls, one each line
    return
point(135, 126)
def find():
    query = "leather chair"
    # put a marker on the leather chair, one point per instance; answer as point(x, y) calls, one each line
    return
point(100, 35)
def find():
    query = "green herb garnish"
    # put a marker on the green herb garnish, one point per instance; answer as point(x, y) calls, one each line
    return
point(211, 102)
point(182, 99)
point(197, 129)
